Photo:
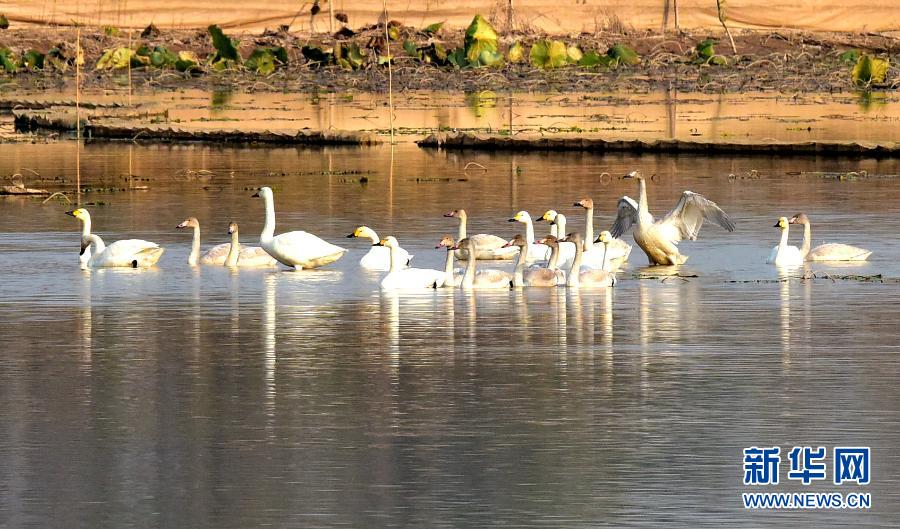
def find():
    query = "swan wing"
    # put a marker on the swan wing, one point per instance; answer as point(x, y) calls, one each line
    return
point(126, 252)
point(626, 216)
point(216, 255)
point(255, 256)
point(689, 213)
point(413, 278)
point(493, 279)
point(837, 252)
point(303, 249)
point(486, 241)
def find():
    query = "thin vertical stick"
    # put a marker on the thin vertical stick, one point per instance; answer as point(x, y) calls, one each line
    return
point(331, 15)
point(387, 45)
point(677, 26)
point(79, 58)
point(129, 69)
point(509, 17)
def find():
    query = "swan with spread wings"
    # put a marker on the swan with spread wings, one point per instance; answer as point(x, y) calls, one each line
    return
point(659, 238)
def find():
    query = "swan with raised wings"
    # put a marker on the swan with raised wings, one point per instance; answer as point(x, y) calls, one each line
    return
point(829, 251)
point(378, 257)
point(297, 249)
point(130, 253)
point(659, 238)
point(400, 278)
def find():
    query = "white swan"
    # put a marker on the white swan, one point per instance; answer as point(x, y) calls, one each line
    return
point(659, 238)
point(378, 257)
point(297, 249)
point(536, 252)
point(400, 278)
point(536, 277)
point(452, 277)
point(584, 277)
point(566, 250)
point(131, 253)
point(784, 255)
point(245, 256)
point(617, 250)
point(482, 279)
point(489, 247)
point(829, 251)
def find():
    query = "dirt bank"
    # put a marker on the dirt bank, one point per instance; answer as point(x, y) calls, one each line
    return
point(779, 61)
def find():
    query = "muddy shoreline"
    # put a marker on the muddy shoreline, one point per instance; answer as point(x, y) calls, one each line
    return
point(787, 61)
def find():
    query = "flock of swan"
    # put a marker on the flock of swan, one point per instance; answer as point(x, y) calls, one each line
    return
point(574, 260)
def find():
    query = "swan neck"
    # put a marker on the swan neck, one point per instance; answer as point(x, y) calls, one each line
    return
point(469, 277)
point(784, 237)
point(99, 245)
point(268, 231)
point(448, 268)
point(554, 230)
point(86, 228)
point(643, 208)
point(807, 239)
point(462, 228)
point(519, 273)
point(396, 266)
point(561, 225)
point(573, 279)
point(373, 237)
point(553, 263)
point(604, 264)
point(194, 258)
point(233, 250)
point(588, 229)
point(529, 232)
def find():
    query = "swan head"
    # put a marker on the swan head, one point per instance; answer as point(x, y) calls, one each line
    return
point(456, 213)
point(550, 241)
point(264, 192)
point(586, 203)
point(390, 241)
point(799, 218)
point(462, 244)
point(446, 242)
point(605, 237)
point(190, 222)
point(364, 232)
point(232, 228)
point(635, 174)
point(80, 214)
point(549, 215)
point(573, 237)
point(521, 216)
point(782, 223)
point(518, 240)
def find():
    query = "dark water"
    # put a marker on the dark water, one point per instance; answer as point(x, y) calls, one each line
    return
point(179, 397)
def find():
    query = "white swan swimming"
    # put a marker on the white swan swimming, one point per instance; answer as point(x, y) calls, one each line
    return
point(659, 238)
point(536, 251)
point(484, 279)
point(536, 276)
point(488, 247)
point(245, 256)
point(617, 251)
point(297, 249)
point(783, 254)
point(452, 276)
point(378, 257)
point(400, 278)
point(218, 253)
point(584, 277)
point(829, 251)
point(131, 253)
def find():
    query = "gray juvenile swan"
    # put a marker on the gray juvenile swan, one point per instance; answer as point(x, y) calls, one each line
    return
point(534, 276)
point(828, 251)
point(487, 246)
point(659, 238)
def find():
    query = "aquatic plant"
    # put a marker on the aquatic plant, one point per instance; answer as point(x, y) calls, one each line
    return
point(869, 71)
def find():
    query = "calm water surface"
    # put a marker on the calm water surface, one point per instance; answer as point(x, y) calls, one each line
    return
point(180, 397)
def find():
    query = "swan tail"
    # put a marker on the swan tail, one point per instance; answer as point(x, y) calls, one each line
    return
point(147, 258)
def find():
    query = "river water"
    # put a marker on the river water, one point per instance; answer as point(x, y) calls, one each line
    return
point(181, 397)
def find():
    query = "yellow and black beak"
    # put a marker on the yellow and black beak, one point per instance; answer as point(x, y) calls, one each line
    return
point(71, 213)
point(777, 224)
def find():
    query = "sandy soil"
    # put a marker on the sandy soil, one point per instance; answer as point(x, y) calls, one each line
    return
point(780, 61)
